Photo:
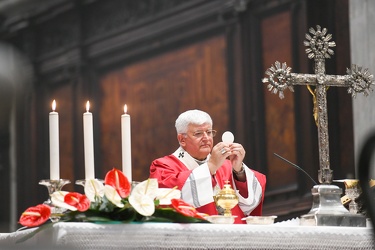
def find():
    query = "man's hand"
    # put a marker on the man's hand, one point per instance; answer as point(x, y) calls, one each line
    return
point(218, 155)
point(236, 156)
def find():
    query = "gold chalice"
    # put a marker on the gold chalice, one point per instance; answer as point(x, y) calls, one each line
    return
point(226, 199)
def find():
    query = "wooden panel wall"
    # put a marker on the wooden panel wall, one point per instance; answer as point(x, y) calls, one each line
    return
point(275, 33)
point(156, 91)
point(280, 118)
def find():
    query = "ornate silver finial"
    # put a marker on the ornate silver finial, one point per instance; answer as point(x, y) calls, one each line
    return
point(360, 81)
point(279, 79)
point(319, 43)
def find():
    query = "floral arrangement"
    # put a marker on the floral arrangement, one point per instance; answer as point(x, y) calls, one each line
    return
point(115, 201)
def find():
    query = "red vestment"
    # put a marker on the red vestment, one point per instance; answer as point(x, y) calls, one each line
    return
point(171, 172)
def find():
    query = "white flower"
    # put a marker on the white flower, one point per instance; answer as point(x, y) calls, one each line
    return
point(57, 199)
point(165, 195)
point(143, 204)
point(143, 195)
point(94, 188)
point(148, 187)
point(112, 195)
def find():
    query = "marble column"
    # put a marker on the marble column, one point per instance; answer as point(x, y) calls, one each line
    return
point(362, 42)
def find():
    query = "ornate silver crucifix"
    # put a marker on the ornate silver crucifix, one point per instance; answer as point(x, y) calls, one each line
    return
point(357, 81)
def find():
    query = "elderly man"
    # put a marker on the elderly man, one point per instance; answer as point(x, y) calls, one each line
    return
point(199, 168)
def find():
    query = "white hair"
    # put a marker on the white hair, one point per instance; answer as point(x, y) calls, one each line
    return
point(194, 116)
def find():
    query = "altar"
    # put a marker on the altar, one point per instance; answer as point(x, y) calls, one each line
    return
point(73, 235)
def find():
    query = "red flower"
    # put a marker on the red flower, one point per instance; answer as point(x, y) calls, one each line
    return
point(186, 209)
point(77, 200)
point(35, 216)
point(118, 181)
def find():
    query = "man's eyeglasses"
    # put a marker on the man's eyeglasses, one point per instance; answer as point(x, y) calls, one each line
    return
point(199, 134)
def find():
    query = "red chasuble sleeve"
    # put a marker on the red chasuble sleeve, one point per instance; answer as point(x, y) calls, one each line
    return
point(242, 187)
point(171, 172)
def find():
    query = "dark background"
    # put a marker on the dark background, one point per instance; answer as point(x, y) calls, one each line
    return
point(162, 57)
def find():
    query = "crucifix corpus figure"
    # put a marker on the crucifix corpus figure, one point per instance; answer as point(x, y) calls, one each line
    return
point(357, 80)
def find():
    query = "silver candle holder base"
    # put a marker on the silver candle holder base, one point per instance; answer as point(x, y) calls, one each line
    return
point(327, 209)
point(83, 182)
point(53, 186)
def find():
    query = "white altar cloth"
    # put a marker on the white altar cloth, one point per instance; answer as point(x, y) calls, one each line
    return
point(194, 236)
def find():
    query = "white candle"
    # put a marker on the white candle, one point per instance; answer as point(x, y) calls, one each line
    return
point(126, 145)
point(88, 135)
point(54, 157)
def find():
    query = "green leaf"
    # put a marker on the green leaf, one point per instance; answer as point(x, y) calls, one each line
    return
point(156, 219)
point(124, 214)
point(173, 216)
point(98, 219)
point(106, 205)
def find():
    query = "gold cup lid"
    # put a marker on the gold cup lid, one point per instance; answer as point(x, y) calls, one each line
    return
point(351, 183)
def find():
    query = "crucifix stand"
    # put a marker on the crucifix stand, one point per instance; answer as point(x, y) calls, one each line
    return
point(327, 209)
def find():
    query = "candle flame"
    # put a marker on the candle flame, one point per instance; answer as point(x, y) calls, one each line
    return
point(125, 108)
point(87, 106)
point(53, 105)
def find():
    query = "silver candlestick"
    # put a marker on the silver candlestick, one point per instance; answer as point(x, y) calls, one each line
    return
point(53, 186)
point(83, 182)
point(352, 190)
